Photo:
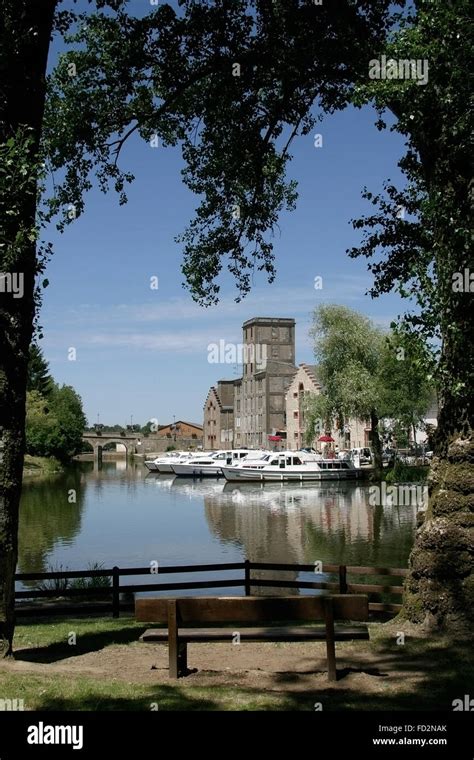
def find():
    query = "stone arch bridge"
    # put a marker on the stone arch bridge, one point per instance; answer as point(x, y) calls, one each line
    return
point(99, 441)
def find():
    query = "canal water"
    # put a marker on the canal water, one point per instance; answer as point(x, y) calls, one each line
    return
point(122, 515)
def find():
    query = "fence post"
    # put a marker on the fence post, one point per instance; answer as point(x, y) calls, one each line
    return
point(115, 592)
point(342, 579)
point(247, 577)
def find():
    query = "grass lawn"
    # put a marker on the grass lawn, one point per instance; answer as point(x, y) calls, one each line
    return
point(424, 673)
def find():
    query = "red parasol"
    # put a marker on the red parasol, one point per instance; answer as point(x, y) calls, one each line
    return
point(326, 439)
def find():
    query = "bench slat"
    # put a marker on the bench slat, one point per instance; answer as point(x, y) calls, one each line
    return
point(252, 609)
point(287, 633)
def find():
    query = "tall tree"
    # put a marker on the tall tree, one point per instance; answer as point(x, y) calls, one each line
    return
point(25, 30)
point(347, 349)
point(418, 242)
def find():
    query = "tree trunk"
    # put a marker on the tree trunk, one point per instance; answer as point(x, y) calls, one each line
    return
point(25, 33)
point(376, 445)
point(439, 590)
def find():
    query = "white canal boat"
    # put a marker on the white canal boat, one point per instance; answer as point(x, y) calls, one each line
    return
point(163, 463)
point(292, 465)
point(210, 465)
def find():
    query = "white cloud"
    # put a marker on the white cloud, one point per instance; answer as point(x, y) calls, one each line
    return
point(180, 342)
point(268, 301)
point(179, 326)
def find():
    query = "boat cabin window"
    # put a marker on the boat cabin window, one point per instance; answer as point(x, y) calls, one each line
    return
point(274, 462)
point(333, 465)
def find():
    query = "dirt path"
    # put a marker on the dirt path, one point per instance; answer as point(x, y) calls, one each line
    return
point(274, 667)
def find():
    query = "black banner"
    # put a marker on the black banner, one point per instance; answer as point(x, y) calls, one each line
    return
point(90, 735)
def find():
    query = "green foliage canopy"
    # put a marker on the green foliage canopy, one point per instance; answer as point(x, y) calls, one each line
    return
point(54, 425)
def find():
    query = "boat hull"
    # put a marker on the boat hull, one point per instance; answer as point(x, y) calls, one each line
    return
point(151, 466)
point(164, 468)
point(236, 474)
point(196, 470)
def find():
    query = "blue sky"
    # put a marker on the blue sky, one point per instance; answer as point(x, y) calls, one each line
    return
point(144, 352)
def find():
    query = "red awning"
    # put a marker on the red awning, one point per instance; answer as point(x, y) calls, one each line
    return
point(275, 438)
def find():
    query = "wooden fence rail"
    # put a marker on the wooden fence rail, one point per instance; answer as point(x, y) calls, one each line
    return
point(115, 605)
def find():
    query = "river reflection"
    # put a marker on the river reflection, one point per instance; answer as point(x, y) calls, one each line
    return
point(122, 515)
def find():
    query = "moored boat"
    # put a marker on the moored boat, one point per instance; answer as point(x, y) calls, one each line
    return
point(210, 465)
point(291, 465)
point(163, 462)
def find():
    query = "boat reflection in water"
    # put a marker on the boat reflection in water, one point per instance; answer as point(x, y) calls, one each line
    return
point(197, 489)
point(306, 522)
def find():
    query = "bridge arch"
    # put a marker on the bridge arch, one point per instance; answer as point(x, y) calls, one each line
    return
point(98, 443)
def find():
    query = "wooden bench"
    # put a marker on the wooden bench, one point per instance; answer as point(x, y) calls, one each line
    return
point(181, 614)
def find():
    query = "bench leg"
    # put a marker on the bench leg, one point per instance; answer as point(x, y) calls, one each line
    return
point(182, 657)
point(331, 654)
point(173, 658)
point(330, 639)
point(178, 659)
point(173, 645)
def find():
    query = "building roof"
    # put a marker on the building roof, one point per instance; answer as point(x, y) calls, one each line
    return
point(213, 390)
point(312, 370)
point(182, 422)
point(284, 321)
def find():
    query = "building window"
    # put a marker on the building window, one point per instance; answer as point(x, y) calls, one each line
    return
point(295, 394)
point(274, 333)
point(295, 415)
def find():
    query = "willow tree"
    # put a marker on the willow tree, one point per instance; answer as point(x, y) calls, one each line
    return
point(234, 82)
point(348, 349)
